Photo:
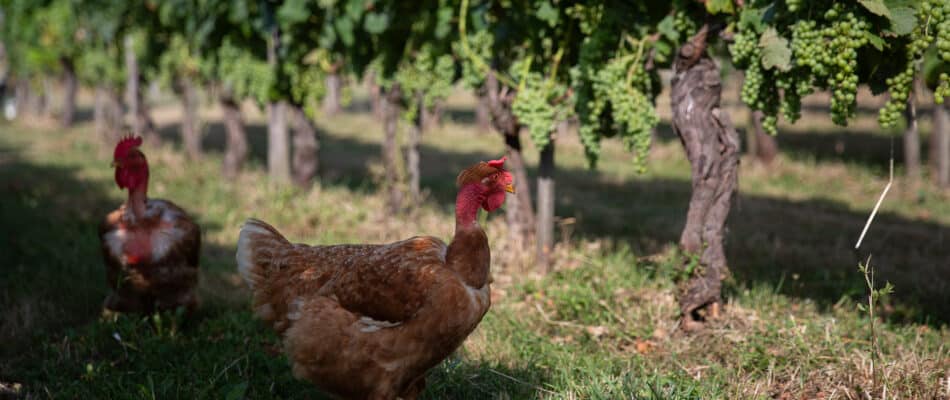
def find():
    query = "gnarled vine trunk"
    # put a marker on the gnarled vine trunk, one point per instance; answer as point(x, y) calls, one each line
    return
point(519, 211)
point(70, 86)
point(712, 147)
point(235, 153)
point(391, 148)
point(305, 161)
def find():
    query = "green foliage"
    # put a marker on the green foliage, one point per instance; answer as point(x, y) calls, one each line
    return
point(247, 76)
point(427, 78)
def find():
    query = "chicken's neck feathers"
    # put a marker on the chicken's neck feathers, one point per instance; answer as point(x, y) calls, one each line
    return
point(467, 204)
point(138, 197)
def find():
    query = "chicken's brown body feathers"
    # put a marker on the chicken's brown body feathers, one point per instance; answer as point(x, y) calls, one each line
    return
point(367, 321)
point(151, 262)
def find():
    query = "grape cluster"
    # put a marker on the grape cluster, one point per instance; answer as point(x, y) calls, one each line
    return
point(615, 95)
point(535, 106)
point(824, 55)
point(900, 85)
point(939, 12)
point(759, 86)
point(744, 49)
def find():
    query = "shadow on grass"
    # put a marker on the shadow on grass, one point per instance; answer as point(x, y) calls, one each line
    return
point(834, 145)
point(801, 248)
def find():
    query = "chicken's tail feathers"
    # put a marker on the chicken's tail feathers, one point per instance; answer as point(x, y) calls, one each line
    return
point(258, 246)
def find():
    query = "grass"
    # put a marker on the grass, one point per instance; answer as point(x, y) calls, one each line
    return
point(602, 326)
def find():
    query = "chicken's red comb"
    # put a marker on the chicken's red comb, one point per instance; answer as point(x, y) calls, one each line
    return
point(479, 171)
point(127, 143)
point(499, 163)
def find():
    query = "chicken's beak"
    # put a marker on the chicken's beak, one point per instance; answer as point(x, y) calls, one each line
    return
point(510, 188)
point(114, 164)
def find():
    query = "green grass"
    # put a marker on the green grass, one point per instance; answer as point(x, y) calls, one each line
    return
point(602, 326)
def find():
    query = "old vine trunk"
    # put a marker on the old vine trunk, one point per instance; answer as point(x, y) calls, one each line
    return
point(305, 161)
point(235, 153)
point(712, 147)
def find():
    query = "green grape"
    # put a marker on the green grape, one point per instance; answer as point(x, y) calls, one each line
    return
point(793, 5)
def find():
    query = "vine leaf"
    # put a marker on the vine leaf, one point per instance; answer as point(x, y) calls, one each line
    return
point(775, 51)
point(903, 20)
point(376, 23)
point(666, 28)
point(720, 6)
point(547, 13)
point(752, 18)
point(876, 7)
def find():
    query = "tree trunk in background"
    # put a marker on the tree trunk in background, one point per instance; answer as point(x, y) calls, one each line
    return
point(190, 134)
point(940, 142)
point(431, 117)
point(20, 94)
point(912, 138)
point(545, 229)
point(43, 107)
point(142, 124)
point(375, 97)
point(107, 116)
point(762, 146)
point(412, 152)
point(278, 142)
point(519, 211)
point(306, 147)
point(482, 113)
point(235, 153)
point(391, 149)
point(331, 102)
point(712, 147)
point(70, 86)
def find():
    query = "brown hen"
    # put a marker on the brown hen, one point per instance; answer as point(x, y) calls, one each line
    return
point(367, 321)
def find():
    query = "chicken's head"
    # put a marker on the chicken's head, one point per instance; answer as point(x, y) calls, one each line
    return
point(492, 180)
point(131, 167)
